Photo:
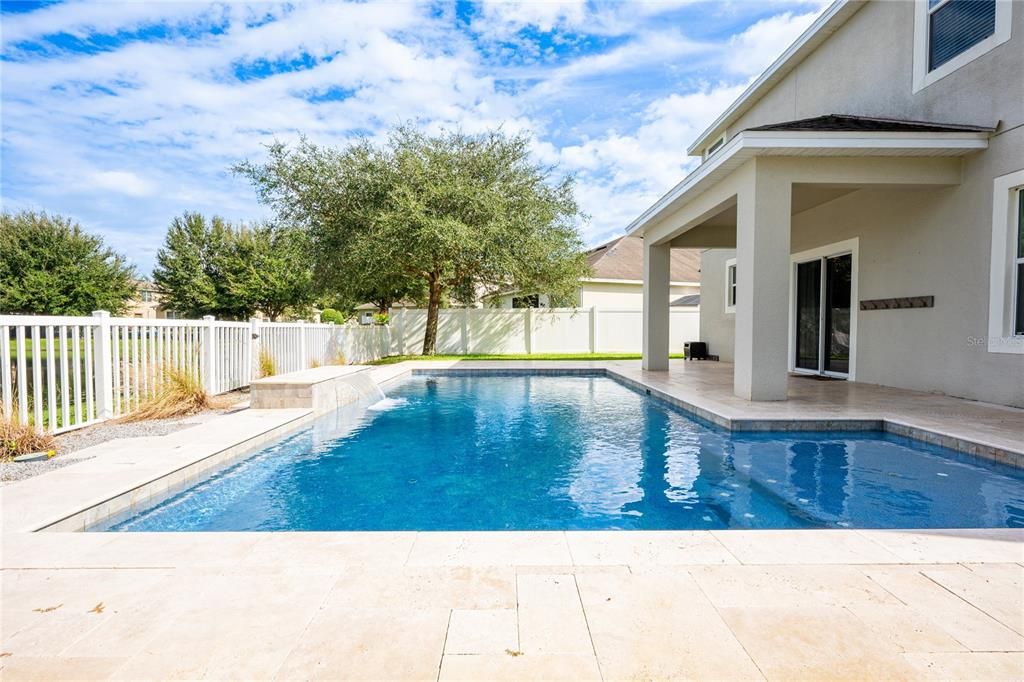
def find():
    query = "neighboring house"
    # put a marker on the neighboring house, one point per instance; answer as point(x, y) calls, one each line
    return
point(617, 278)
point(861, 207)
point(146, 303)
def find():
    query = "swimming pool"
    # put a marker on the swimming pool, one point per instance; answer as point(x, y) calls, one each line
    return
point(532, 452)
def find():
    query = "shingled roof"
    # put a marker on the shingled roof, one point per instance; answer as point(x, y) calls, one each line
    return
point(623, 258)
point(845, 123)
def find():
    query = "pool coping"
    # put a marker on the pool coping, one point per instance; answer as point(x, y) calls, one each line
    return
point(235, 436)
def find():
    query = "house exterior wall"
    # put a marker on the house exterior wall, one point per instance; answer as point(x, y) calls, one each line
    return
point(624, 295)
point(867, 67)
point(925, 241)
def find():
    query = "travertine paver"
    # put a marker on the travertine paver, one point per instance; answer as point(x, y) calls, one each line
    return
point(482, 631)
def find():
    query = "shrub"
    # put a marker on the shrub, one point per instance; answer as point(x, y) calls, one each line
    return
point(267, 367)
point(21, 439)
point(181, 394)
point(331, 316)
point(380, 318)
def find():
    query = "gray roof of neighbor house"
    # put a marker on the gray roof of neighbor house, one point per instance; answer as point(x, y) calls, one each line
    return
point(847, 123)
point(623, 258)
point(686, 301)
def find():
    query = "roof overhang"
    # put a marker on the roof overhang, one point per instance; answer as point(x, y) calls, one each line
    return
point(827, 23)
point(750, 144)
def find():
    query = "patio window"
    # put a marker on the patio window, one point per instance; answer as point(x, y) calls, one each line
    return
point(1019, 266)
point(1006, 276)
point(954, 26)
point(730, 285)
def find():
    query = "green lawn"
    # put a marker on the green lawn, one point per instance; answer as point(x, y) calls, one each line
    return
point(390, 360)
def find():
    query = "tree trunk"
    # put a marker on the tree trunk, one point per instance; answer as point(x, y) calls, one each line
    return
point(433, 304)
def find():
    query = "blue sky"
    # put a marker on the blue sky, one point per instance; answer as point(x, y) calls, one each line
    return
point(123, 115)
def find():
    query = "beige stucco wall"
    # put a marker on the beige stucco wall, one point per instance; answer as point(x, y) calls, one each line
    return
point(866, 68)
point(623, 295)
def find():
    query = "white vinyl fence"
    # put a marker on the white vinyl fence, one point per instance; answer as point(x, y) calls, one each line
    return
point(537, 330)
point(63, 373)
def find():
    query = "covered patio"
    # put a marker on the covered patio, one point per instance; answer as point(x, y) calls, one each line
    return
point(746, 196)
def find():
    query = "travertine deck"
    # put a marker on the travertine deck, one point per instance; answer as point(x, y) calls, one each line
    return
point(806, 604)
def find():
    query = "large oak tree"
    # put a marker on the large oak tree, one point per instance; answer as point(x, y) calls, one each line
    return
point(449, 215)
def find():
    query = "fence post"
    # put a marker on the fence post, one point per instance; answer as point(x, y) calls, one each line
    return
point(102, 369)
point(593, 329)
point(303, 346)
point(254, 348)
point(528, 336)
point(208, 368)
point(465, 331)
point(401, 332)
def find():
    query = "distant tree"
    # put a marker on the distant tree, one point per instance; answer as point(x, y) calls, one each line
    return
point(232, 272)
point(50, 266)
point(449, 215)
point(185, 269)
point(266, 268)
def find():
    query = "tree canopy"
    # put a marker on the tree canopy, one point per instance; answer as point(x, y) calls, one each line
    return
point(452, 214)
point(50, 266)
point(232, 272)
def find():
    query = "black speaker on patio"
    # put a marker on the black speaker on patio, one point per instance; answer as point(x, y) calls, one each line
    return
point(695, 350)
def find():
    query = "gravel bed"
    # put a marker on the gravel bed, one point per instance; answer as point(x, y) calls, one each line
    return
point(70, 443)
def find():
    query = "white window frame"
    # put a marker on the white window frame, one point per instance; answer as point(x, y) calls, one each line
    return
point(1003, 271)
point(714, 146)
point(730, 293)
point(922, 76)
point(849, 246)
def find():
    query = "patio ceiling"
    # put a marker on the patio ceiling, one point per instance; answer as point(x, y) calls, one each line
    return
point(751, 144)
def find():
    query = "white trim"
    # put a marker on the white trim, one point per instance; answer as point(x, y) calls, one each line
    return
point(1001, 338)
point(751, 143)
point(819, 31)
point(729, 264)
point(922, 76)
point(852, 247)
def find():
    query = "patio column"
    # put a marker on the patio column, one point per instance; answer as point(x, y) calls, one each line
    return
point(762, 293)
point(657, 258)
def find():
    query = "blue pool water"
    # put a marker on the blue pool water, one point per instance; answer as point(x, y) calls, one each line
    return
point(559, 452)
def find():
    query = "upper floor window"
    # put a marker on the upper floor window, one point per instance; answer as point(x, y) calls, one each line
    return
point(713, 147)
point(956, 25)
point(949, 34)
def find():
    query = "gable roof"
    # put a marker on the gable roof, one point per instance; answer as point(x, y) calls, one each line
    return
point(623, 259)
point(827, 23)
point(847, 123)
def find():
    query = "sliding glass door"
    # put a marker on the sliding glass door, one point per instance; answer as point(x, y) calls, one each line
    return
point(823, 309)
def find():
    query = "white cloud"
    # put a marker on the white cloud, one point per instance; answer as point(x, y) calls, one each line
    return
point(126, 137)
point(122, 182)
point(752, 51)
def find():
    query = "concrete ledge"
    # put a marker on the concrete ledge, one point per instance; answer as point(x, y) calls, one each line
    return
point(320, 389)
